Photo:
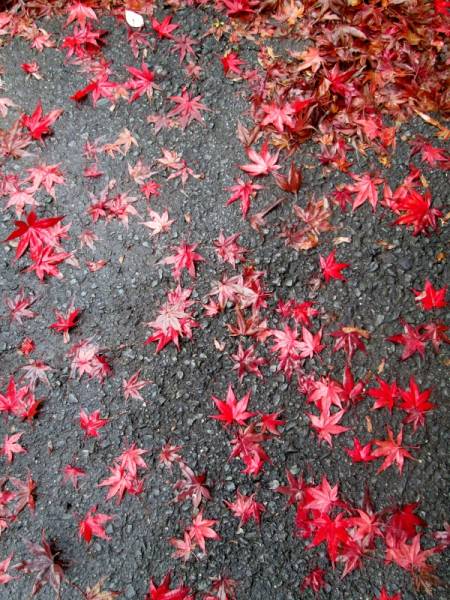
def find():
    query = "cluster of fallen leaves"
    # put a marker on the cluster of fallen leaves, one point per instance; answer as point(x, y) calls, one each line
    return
point(364, 69)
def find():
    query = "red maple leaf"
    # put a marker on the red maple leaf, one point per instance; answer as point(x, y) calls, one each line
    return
point(385, 394)
point(247, 445)
point(24, 494)
point(385, 596)
point(202, 529)
point(32, 230)
point(231, 409)
point(132, 386)
point(231, 62)
point(416, 211)
point(119, 482)
point(243, 191)
point(310, 344)
point(163, 591)
point(39, 124)
point(45, 261)
point(191, 486)
point(332, 531)
point(45, 565)
point(263, 163)
point(392, 451)
point(322, 497)
point(246, 361)
point(165, 28)
point(77, 11)
point(188, 108)
point(326, 425)
point(332, 269)
point(435, 157)
point(184, 547)
point(65, 322)
point(13, 401)
point(350, 339)
point(403, 522)
point(19, 307)
point(367, 526)
point(228, 249)
point(412, 339)
point(4, 565)
point(409, 556)
point(288, 346)
point(91, 423)
point(72, 474)
point(415, 404)
point(246, 508)
point(183, 44)
point(174, 321)
point(295, 490)
point(430, 297)
point(185, 258)
point(315, 580)
point(278, 116)
point(169, 455)
point(353, 392)
point(435, 332)
point(143, 82)
point(93, 525)
point(324, 393)
point(46, 176)
point(237, 8)
point(365, 189)
point(11, 446)
point(360, 453)
point(131, 459)
point(270, 422)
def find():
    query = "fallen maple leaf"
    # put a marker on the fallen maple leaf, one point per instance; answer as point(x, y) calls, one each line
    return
point(65, 322)
point(246, 508)
point(322, 497)
point(430, 297)
point(165, 28)
point(415, 404)
point(93, 525)
point(4, 565)
point(330, 268)
point(159, 223)
point(392, 451)
point(45, 564)
point(33, 231)
point(91, 423)
point(231, 409)
point(263, 163)
point(185, 258)
point(385, 394)
point(143, 82)
point(385, 596)
point(79, 12)
point(72, 474)
point(188, 108)
point(163, 591)
point(326, 425)
point(412, 339)
point(39, 124)
point(11, 446)
point(132, 386)
point(365, 189)
point(202, 529)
